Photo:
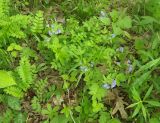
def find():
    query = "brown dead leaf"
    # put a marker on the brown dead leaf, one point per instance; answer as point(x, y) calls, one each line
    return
point(111, 96)
point(120, 107)
point(102, 68)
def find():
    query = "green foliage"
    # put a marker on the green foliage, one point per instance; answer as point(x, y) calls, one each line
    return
point(6, 59)
point(79, 61)
point(36, 104)
point(25, 73)
point(153, 7)
point(11, 26)
point(40, 89)
point(37, 25)
point(4, 8)
point(140, 104)
point(24, 80)
point(6, 79)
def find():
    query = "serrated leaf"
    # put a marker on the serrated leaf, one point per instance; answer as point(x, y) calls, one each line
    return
point(14, 103)
point(20, 118)
point(6, 79)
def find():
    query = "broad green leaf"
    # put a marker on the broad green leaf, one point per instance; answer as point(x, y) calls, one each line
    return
point(114, 15)
point(6, 79)
point(66, 110)
point(153, 103)
point(139, 44)
point(104, 117)
point(96, 91)
point(148, 92)
point(105, 20)
point(114, 120)
point(97, 106)
point(117, 30)
point(120, 77)
point(59, 119)
point(136, 111)
point(125, 23)
point(154, 120)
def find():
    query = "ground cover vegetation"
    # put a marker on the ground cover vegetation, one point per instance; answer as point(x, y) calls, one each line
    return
point(79, 61)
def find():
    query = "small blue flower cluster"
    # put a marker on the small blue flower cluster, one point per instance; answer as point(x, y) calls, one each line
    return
point(110, 86)
point(120, 49)
point(130, 67)
point(52, 31)
point(103, 14)
point(84, 68)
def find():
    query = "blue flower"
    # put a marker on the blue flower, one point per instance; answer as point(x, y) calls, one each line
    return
point(47, 25)
point(128, 61)
point(113, 84)
point(118, 63)
point(84, 68)
point(52, 26)
point(113, 35)
point(58, 32)
point(106, 86)
point(120, 49)
point(110, 86)
point(47, 39)
point(50, 33)
point(92, 64)
point(130, 68)
point(102, 14)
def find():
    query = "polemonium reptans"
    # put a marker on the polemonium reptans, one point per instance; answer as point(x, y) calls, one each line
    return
point(110, 86)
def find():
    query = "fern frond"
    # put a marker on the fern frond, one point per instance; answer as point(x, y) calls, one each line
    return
point(5, 59)
point(2, 98)
point(36, 106)
point(4, 7)
point(13, 26)
point(25, 80)
point(16, 25)
point(25, 73)
point(38, 23)
point(40, 88)
point(14, 91)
